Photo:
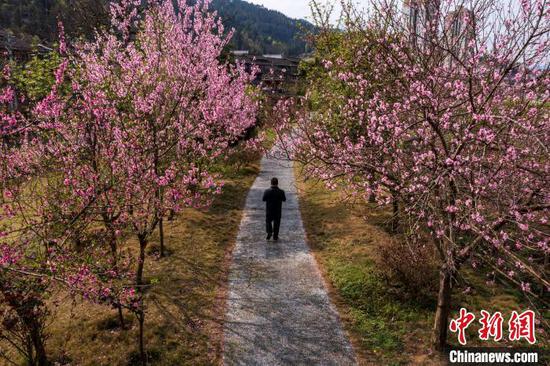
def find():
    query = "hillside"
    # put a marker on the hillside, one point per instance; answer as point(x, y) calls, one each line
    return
point(257, 28)
point(262, 30)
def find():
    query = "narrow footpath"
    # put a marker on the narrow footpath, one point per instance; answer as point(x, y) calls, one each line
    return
point(279, 312)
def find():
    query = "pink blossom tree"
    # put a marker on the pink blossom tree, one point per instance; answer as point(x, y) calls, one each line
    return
point(156, 109)
point(148, 109)
point(448, 116)
point(38, 223)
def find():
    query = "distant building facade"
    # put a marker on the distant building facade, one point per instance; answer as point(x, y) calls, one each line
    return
point(277, 73)
point(421, 18)
point(459, 32)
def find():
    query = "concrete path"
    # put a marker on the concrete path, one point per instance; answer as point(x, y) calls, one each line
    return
point(278, 311)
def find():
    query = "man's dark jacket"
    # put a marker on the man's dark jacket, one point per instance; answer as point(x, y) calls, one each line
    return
point(274, 198)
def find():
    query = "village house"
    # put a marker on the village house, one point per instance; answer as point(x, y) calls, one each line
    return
point(277, 73)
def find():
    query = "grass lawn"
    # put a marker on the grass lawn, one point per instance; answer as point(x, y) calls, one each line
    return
point(385, 327)
point(185, 307)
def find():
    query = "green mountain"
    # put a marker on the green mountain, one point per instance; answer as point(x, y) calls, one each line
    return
point(261, 30)
point(257, 29)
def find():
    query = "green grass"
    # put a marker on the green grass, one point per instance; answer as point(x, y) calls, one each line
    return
point(380, 322)
point(372, 314)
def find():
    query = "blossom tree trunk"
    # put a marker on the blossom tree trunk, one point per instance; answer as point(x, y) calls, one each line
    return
point(441, 319)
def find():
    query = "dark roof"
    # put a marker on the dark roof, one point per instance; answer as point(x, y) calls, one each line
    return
point(13, 43)
point(271, 61)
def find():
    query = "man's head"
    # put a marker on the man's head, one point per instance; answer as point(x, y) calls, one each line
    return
point(274, 181)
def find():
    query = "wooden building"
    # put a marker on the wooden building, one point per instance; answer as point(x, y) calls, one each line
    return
point(277, 74)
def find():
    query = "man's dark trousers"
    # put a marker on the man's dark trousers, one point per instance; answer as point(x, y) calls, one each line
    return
point(274, 198)
point(272, 225)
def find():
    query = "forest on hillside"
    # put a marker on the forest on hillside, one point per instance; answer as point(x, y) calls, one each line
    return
point(257, 28)
point(261, 30)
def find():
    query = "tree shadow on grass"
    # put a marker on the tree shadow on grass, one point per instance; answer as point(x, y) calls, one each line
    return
point(186, 304)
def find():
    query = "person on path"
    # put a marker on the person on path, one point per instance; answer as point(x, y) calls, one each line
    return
point(273, 198)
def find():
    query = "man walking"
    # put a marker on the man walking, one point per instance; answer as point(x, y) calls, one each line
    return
point(273, 198)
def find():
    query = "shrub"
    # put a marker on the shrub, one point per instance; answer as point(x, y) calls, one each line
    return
point(412, 270)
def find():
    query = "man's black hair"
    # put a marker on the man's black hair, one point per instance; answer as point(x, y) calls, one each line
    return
point(274, 181)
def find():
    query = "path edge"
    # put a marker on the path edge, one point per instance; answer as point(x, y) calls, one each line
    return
point(336, 300)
